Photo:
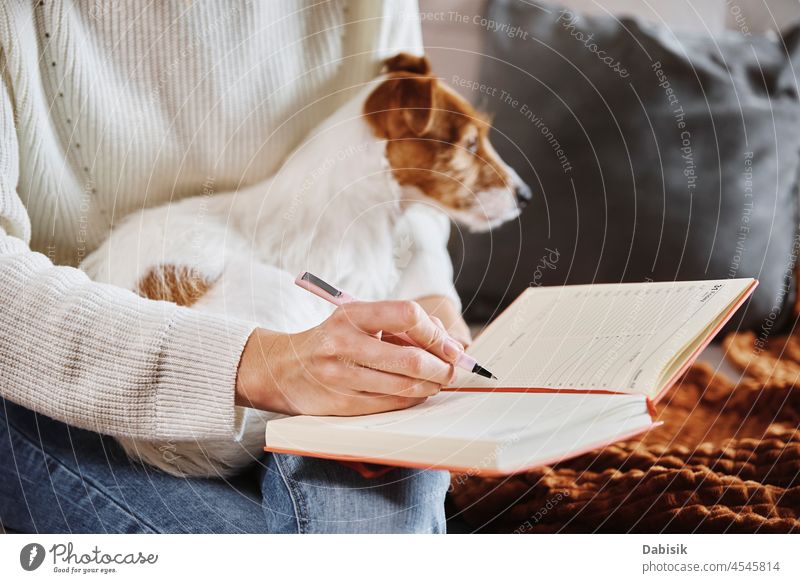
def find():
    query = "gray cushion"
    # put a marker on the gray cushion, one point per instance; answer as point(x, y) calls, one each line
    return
point(650, 157)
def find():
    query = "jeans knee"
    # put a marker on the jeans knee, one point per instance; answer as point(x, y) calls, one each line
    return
point(425, 502)
point(310, 495)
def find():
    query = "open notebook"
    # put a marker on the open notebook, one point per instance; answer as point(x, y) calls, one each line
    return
point(578, 368)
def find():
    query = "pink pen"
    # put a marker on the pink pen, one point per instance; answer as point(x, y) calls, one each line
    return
point(318, 287)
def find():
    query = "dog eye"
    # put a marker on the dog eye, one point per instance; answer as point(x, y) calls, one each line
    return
point(472, 145)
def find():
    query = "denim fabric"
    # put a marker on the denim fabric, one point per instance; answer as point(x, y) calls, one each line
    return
point(58, 479)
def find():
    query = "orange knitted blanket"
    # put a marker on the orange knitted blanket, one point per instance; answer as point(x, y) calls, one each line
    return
point(727, 459)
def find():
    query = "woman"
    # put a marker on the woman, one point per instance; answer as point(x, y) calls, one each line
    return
point(105, 109)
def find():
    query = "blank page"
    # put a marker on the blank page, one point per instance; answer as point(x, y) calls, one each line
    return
point(616, 337)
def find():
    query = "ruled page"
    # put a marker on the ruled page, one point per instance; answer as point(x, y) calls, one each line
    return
point(617, 337)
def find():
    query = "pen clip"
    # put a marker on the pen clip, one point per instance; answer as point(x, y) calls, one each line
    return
point(321, 288)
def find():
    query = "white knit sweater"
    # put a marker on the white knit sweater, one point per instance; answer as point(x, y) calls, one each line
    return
point(109, 107)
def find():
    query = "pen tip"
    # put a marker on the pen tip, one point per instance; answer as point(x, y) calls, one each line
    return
point(495, 378)
point(479, 370)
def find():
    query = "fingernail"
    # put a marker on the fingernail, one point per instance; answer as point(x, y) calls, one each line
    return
point(452, 348)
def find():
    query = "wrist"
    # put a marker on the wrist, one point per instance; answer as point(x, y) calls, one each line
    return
point(257, 383)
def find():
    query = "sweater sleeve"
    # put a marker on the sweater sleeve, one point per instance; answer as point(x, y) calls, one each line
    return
point(99, 357)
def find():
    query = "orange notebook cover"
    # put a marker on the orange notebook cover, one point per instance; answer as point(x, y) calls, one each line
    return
point(579, 368)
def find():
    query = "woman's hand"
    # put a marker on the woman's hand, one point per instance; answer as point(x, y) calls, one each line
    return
point(443, 309)
point(342, 368)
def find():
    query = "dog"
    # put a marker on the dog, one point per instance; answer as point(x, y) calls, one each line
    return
point(404, 139)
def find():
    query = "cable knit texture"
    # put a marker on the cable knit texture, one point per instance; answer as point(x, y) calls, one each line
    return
point(106, 108)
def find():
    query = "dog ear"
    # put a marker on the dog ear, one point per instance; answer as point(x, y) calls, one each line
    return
point(417, 101)
point(400, 104)
point(408, 63)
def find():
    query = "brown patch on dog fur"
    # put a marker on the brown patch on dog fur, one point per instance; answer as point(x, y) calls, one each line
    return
point(437, 141)
point(174, 283)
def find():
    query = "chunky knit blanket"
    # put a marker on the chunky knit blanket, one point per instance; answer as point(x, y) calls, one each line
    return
point(727, 459)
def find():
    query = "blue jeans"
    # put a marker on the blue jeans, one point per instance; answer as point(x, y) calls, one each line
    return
point(58, 479)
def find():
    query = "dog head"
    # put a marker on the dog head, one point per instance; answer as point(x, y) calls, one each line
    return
point(438, 146)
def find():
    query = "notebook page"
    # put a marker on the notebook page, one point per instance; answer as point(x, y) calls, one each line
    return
point(614, 337)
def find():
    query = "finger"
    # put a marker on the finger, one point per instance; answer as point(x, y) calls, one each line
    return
point(408, 361)
point(396, 340)
point(461, 337)
point(405, 317)
point(403, 340)
point(367, 380)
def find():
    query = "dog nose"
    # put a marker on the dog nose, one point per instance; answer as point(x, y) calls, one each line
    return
point(523, 194)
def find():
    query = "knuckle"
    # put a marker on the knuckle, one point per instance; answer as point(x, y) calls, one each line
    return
point(338, 343)
point(325, 347)
point(437, 336)
point(411, 312)
point(421, 389)
point(328, 371)
point(340, 314)
point(406, 388)
point(415, 364)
